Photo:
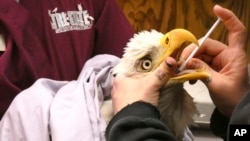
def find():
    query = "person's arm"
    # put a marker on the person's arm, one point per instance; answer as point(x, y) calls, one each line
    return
point(138, 121)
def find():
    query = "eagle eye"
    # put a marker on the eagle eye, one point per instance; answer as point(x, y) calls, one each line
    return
point(146, 64)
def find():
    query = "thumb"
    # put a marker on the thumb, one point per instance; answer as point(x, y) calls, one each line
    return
point(237, 31)
point(159, 77)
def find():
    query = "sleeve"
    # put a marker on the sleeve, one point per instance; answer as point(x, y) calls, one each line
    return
point(11, 27)
point(138, 121)
point(219, 124)
point(112, 30)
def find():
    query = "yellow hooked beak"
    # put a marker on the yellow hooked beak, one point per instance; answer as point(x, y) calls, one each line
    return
point(173, 44)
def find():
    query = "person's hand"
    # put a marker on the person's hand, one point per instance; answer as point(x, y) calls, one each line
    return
point(226, 63)
point(127, 90)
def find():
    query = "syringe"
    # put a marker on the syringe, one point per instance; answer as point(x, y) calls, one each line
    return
point(182, 67)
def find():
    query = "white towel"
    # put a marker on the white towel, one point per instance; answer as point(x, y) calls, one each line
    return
point(62, 110)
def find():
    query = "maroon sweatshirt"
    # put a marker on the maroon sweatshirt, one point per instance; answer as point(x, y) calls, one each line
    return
point(54, 38)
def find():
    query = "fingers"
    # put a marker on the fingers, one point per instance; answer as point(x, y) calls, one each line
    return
point(212, 47)
point(161, 75)
point(195, 63)
point(187, 51)
point(209, 48)
point(237, 31)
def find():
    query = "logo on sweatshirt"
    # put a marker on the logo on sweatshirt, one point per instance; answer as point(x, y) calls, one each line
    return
point(70, 20)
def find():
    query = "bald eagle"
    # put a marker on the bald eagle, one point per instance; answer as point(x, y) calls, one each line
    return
point(144, 53)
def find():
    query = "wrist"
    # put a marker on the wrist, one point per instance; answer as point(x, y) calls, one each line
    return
point(226, 108)
point(246, 89)
point(137, 109)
